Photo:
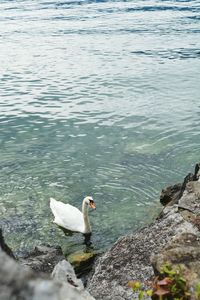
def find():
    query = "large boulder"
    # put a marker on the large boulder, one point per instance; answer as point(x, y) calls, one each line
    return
point(82, 261)
point(20, 282)
point(131, 256)
point(29, 279)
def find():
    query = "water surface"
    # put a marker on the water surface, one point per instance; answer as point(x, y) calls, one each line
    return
point(97, 98)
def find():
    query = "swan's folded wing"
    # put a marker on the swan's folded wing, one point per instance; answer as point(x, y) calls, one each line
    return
point(67, 216)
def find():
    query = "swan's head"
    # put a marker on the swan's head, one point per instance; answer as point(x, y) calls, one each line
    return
point(89, 200)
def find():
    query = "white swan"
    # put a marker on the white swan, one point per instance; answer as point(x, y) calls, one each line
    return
point(70, 217)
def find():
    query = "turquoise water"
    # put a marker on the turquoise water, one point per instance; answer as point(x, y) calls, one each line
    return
point(97, 98)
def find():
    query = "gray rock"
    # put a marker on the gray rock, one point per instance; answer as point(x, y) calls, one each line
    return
point(191, 197)
point(130, 257)
point(43, 258)
point(170, 194)
point(64, 272)
point(183, 251)
point(21, 283)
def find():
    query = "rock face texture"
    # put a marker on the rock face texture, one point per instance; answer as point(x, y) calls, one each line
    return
point(64, 273)
point(20, 282)
point(173, 237)
point(183, 251)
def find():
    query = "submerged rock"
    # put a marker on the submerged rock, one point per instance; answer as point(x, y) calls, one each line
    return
point(4, 246)
point(174, 236)
point(82, 261)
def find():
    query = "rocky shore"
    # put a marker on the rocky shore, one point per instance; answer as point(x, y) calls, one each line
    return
point(39, 276)
point(173, 239)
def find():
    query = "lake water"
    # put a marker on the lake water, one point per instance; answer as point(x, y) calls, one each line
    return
point(97, 98)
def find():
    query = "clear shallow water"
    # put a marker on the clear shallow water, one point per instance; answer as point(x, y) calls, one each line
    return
point(96, 98)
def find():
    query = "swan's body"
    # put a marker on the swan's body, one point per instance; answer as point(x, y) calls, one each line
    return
point(70, 217)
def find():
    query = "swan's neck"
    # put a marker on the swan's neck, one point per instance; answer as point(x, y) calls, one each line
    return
point(86, 218)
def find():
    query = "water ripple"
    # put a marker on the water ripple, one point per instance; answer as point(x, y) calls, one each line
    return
point(97, 97)
point(171, 53)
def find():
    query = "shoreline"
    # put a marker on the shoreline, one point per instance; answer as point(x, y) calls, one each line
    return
point(137, 256)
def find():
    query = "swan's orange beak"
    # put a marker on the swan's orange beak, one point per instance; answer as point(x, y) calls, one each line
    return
point(92, 205)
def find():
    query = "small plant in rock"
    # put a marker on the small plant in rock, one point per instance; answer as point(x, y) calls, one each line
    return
point(136, 286)
point(169, 285)
point(197, 291)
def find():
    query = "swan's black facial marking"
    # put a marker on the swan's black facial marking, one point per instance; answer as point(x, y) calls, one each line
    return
point(92, 203)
